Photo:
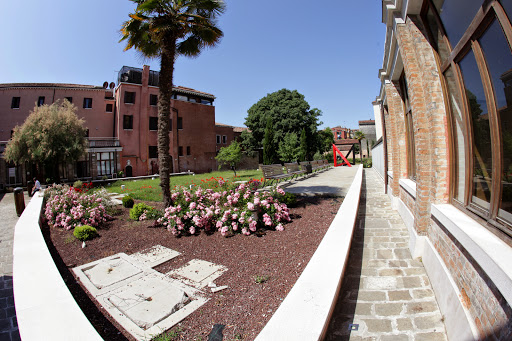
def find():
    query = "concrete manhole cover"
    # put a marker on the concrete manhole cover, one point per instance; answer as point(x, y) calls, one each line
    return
point(151, 304)
point(198, 273)
point(149, 300)
point(109, 273)
point(155, 255)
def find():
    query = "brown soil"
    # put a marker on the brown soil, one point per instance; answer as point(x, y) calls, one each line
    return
point(277, 258)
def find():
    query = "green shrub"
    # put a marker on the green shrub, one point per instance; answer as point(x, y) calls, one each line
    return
point(139, 209)
point(128, 201)
point(78, 184)
point(289, 199)
point(367, 163)
point(85, 232)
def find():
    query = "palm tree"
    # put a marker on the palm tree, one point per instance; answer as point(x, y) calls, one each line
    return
point(166, 29)
point(359, 135)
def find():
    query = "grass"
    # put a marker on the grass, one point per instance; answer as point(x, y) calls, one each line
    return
point(261, 279)
point(149, 190)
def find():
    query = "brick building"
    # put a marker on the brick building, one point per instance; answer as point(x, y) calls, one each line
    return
point(121, 124)
point(444, 105)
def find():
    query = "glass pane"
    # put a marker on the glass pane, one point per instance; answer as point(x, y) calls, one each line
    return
point(507, 6)
point(442, 47)
point(499, 61)
point(482, 152)
point(456, 16)
point(458, 133)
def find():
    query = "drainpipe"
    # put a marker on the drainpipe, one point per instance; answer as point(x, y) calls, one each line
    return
point(177, 140)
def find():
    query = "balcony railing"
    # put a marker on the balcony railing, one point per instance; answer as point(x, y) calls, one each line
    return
point(102, 142)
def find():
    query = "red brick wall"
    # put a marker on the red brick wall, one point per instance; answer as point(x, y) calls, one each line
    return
point(487, 306)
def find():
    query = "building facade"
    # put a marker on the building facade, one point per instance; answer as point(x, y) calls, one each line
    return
point(444, 106)
point(121, 122)
point(367, 127)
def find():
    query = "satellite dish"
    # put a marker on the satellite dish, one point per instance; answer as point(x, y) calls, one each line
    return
point(112, 85)
point(105, 85)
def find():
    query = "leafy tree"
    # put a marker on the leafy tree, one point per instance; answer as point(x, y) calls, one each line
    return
point(288, 149)
point(247, 143)
point(230, 155)
point(51, 135)
point(303, 149)
point(166, 29)
point(359, 135)
point(290, 113)
point(269, 150)
point(325, 140)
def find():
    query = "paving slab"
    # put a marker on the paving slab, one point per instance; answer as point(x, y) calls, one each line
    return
point(109, 273)
point(198, 273)
point(155, 255)
point(149, 305)
point(333, 182)
point(382, 274)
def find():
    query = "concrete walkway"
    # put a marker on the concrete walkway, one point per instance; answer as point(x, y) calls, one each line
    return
point(8, 322)
point(333, 182)
point(385, 295)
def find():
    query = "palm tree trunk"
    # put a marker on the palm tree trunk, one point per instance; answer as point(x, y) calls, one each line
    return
point(361, 151)
point(164, 111)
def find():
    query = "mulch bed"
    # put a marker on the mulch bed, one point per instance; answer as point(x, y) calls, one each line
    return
point(276, 258)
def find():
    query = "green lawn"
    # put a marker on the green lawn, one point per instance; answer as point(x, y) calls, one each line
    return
point(149, 190)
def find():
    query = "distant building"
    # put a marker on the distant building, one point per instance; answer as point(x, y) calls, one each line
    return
point(121, 124)
point(367, 127)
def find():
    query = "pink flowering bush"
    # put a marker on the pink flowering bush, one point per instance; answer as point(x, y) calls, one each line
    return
point(67, 208)
point(239, 210)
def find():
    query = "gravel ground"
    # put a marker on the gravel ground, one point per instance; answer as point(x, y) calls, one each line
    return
point(261, 269)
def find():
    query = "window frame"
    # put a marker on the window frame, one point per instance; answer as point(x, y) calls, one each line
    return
point(87, 103)
point(129, 95)
point(151, 97)
point(107, 107)
point(153, 119)
point(15, 102)
point(409, 128)
point(40, 101)
point(489, 11)
point(127, 121)
point(155, 150)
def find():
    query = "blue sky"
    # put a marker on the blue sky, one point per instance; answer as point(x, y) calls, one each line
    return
point(329, 51)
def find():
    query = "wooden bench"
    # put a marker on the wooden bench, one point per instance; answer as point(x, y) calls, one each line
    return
point(316, 165)
point(273, 173)
point(293, 169)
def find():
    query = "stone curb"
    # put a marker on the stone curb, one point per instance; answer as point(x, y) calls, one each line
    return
point(42, 298)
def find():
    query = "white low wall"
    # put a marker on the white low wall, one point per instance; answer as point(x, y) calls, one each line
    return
point(378, 158)
point(305, 313)
point(45, 308)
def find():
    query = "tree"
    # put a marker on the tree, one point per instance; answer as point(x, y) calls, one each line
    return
point(166, 29)
point(359, 135)
point(51, 135)
point(325, 140)
point(269, 150)
point(303, 149)
point(230, 155)
point(290, 113)
point(288, 149)
point(247, 143)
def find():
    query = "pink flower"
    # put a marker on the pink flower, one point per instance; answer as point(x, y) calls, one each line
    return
point(280, 227)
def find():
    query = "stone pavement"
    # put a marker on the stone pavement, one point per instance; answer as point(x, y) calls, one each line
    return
point(385, 295)
point(322, 184)
point(8, 322)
